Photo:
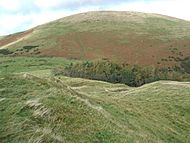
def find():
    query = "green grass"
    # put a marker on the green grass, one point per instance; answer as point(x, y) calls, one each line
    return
point(24, 64)
point(36, 106)
point(160, 26)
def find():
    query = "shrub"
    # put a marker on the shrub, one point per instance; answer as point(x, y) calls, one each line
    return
point(28, 48)
point(185, 64)
point(5, 52)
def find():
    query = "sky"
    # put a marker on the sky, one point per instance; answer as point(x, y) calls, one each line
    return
point(20, 15)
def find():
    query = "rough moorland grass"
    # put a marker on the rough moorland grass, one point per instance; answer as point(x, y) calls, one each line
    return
point(38, 108)
point(159, 26)
point(33, 110)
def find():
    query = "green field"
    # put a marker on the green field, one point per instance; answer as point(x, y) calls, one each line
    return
point(37, 107)
point(10, 65)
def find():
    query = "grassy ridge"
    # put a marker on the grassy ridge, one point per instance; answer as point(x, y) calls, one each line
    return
point(38, 107)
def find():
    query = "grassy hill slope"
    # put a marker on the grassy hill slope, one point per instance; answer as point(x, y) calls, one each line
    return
point(130, 37)
point(36, 106)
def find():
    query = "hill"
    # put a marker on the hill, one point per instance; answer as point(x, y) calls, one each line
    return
point(129, 37)
point(36, 106)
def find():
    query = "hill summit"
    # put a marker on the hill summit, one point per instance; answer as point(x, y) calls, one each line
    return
point(127, 37)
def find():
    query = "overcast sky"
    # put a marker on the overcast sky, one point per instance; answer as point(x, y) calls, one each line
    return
point(19, 15)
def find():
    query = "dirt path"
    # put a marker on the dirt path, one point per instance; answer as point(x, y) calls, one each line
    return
point(14, 42)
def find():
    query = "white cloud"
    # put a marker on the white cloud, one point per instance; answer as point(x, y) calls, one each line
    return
point(10, 5)
point(15, 23)
point(48, 4)
point(46, 16)
point(56, 3)
point(11, 23)
point(175, 8)
point(20, 20)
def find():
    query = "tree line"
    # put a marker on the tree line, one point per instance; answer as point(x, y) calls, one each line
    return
point(131, 75)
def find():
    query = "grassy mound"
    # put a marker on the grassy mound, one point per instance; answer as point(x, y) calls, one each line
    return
point(39, 108)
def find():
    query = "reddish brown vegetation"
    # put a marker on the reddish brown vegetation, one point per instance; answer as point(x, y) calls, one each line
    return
point(131, 48)
point(135, 49)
